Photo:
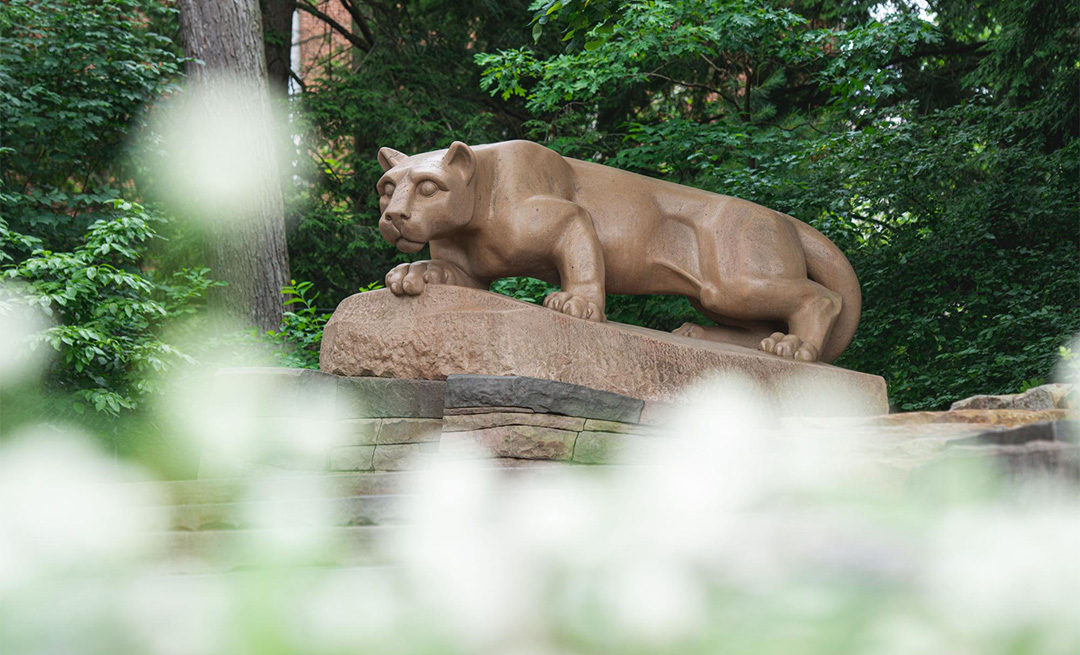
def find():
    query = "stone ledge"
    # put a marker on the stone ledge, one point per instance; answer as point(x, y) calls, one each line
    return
point(517, 441)
point(465, 422)
point(450, 330)
point(539, 395)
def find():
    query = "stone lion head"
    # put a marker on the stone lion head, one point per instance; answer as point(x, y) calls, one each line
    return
point(425, 196)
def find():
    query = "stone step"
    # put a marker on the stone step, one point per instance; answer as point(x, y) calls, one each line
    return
point(312, 485)
point(348, 511)
point(225, 490)
point(219, 551)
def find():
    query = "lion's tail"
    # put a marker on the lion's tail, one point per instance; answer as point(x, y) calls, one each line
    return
point(828, 266)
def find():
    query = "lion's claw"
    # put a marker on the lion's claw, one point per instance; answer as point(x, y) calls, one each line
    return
point(574, 305)
point(789, 345)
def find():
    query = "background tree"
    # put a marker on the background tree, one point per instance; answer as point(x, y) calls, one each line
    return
point(247, 244)
point(400, 74)
point(936, 145)
point(75, 79)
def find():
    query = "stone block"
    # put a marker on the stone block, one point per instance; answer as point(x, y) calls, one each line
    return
point(519, 441)
point(1047, 396)
point(540, 396)
point(364, 397)
point(409, 430)
point(459, 423)
point(595, 425)
point(612, 447)
point(1002, 417)
point(401, 457)
point(454, 411)
point(450, 330)
point(357, 432)
point(351, 458)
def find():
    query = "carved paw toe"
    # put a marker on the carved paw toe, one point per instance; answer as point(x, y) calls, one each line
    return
point(574, 305)
point(789, 345)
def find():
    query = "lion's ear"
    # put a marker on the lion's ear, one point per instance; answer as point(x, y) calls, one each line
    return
point(461, 156)
point(389, 158)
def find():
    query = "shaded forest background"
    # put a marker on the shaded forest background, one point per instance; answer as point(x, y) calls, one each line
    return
point(935, 142)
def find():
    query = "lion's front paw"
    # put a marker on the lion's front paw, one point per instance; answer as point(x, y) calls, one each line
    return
point(789, 345)
point(574, 305)
point(411, 278)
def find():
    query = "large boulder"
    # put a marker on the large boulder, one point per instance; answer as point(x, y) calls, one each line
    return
point(1045, 397)
point(451, 330)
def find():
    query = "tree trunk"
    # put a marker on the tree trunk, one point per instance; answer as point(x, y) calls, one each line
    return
point(247, 240)
point(277, 33)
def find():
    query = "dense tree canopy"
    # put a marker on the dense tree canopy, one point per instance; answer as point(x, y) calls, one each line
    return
point(935, 142)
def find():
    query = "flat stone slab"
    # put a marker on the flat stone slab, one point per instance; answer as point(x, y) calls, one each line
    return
point(454, 331)
point(546, 396)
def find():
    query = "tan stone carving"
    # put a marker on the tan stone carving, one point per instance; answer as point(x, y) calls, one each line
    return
point(519, 209)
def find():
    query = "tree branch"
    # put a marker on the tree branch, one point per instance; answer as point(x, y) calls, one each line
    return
point(952, 49)
point(361, 22)
point(305, 5)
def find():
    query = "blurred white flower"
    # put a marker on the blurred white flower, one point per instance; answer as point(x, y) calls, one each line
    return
point(64, 507)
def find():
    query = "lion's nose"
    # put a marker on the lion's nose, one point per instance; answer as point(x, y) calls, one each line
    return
point(397, 217)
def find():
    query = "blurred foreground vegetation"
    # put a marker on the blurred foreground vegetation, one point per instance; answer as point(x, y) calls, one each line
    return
point(935, 143)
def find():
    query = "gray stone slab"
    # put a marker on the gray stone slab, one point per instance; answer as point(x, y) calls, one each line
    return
point(461, 422)
point(361, 397)
point(595, 425)
point(540, 396)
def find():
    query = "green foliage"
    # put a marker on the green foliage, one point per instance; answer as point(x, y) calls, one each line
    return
point(939, 152)
point(107, 313)
point(411, 86)
point(296, 343)
point(75, 76)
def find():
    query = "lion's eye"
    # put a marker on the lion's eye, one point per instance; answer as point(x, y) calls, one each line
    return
point(427, 188)
point(388, 189)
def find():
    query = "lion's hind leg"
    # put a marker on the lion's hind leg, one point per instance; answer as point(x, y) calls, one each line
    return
point(747, 334)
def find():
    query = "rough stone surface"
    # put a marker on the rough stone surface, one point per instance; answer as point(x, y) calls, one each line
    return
point(611, 447)
point(540, 396)
point(363, 397)
point(401, 457)
point(454, 411)
point(594, 425)
point(1002, 417)
point(1047, 396)
point(451, 330)
point(409, 430)
point(351, 458)
point(459, 423)
point(520, 441)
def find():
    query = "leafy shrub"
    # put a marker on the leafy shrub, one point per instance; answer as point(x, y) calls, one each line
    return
point(296, 343)
point(108, 313)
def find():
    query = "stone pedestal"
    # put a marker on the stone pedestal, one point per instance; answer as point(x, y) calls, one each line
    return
point(453, 330)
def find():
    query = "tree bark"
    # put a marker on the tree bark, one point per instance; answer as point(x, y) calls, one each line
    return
point(277, 17)
point(247, 240)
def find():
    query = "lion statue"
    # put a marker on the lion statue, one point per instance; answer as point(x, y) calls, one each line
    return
point(516, 208)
